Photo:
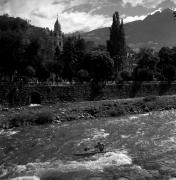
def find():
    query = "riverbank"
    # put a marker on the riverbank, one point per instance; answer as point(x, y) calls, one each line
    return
point(61, 112)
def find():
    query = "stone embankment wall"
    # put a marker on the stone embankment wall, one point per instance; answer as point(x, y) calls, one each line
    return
point(19, 94)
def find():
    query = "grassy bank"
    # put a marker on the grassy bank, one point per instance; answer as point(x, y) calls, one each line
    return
point(60, 112)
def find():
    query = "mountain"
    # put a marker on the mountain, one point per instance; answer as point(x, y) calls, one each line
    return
point(156, 30)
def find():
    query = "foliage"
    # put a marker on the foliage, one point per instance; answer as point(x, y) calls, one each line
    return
point(11, 51)
point(30, 71)
point(150, 98)
point(142, 74)
point(166, 55)
point(147, 58)
point(83, 75)
point(43, 117)
point(12, 24)
point(26, 118)
point(42, 73)
point(169, 72)
point(167, 64)
point(69, 58)
point(125, 76)
point(26, 51)
point(99, 65)
point(116, 46)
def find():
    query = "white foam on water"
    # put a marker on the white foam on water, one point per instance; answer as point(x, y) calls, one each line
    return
point(26, 178)
point(125, 136)
point(8, 132)
point(138, 116)
point(34, 105)
point(106, 160)
point(3, 172)
point(20, 168)
point(126, 119)
point(98, 134)
point(97, 162)
point(94, 135)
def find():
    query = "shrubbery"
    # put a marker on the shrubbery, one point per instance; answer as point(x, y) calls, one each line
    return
point(142, 75)
point(26, 118)
point(150, 98)
point(169, 72)
point(125, 76)
point(43, 118)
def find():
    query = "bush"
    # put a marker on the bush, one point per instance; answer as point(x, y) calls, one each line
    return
point(30, 119)
point(83, 75)
point(150, 98)
point(169, 72)
point(142, 74)
point(21, 120)
point(125, 76)
point(43, 118)
point(99, 65)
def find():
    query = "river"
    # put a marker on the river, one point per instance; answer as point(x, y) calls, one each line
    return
point(136, 147)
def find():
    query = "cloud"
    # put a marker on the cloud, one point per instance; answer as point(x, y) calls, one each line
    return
point(43, 13)
point(77, 15)
point(39, 14)
point(147, 3)
point(84, 21)
point(133, 18)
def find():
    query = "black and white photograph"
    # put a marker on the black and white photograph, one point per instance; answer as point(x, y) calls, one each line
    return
point(87, 89)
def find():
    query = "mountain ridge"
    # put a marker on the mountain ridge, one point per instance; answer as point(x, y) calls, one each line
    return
point(155, 31)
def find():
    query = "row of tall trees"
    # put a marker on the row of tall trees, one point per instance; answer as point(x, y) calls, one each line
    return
point(22, 54)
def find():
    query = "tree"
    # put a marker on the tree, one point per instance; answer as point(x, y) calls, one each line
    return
point(142, 74)
point(80, 51)
point(99, 65)
point(42, 72)
point(167, 62)
point(169, 72)
point(54, 67)
point(57, 54)
point(30, 71)
point(147, 58)
point(116, 46)
point(11, 52)
point(83, 75)
point(69, 58)
point(125, 75)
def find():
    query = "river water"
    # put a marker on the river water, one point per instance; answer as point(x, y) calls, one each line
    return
point(136, 147)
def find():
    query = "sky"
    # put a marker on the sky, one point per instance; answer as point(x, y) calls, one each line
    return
point(81, 15)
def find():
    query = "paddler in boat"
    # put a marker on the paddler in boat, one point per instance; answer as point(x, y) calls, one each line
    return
point(99, 146)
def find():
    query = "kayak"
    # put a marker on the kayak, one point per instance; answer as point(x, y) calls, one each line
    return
point(89, 153)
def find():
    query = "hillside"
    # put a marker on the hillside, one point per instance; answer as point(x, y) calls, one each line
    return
point(155, 31)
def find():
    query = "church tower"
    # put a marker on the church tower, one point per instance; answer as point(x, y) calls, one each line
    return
point(58, 35)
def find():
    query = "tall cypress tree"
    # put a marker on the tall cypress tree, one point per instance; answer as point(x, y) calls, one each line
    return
point(116, 46)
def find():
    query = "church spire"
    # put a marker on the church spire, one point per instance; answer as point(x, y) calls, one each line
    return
point(58, 35)
point(57, 26)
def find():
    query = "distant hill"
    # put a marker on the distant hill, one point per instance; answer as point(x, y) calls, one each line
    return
point(155, 31)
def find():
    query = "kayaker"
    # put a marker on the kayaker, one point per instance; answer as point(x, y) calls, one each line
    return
point(86, 148)
point(99, 146)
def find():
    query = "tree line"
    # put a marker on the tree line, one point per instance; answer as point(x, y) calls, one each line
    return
point(25, 53)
